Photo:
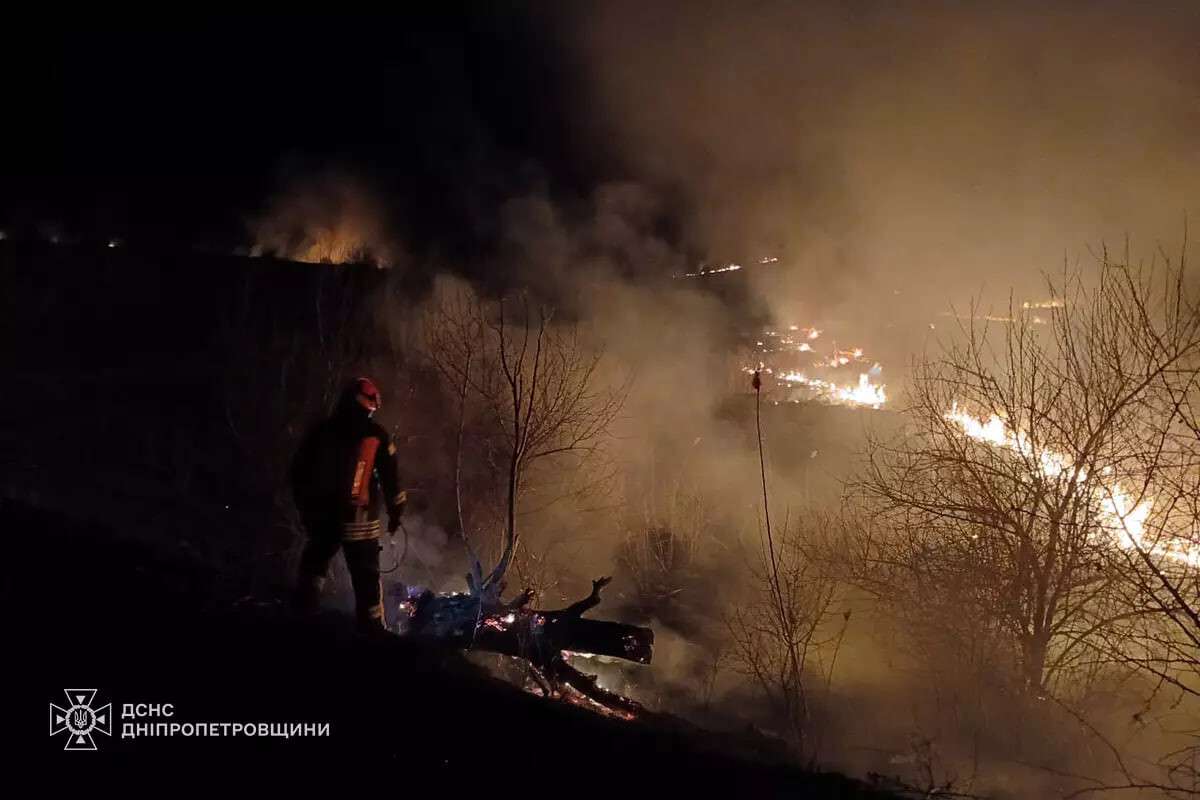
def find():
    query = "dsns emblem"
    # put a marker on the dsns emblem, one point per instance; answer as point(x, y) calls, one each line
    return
point(79, 719)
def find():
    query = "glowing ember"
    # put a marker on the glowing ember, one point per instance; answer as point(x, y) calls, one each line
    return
point(499, 623)
point(841, 358)
point(1036, 320)
point(575, 697)
point(706, 270)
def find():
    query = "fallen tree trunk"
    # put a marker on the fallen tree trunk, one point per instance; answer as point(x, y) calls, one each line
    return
point(542, 638)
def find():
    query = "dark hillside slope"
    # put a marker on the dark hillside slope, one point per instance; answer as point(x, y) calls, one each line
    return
point(93, 609)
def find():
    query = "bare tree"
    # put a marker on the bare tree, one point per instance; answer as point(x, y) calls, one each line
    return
point(661, 546)
point(530, 400)
point(1159, 558)
point(1039, 499)
point(532, 405)
point(786, 636)
point(1015, 477)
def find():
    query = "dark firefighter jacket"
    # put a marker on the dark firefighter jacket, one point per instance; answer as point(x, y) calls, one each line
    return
point(345, 470)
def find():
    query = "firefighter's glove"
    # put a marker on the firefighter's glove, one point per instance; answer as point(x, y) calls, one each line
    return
point(396, 510)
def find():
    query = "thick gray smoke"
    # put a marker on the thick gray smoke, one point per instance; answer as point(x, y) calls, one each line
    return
point(927, 149)
point(561, 254)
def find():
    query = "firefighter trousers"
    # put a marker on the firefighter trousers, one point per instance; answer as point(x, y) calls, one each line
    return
point(362, 560)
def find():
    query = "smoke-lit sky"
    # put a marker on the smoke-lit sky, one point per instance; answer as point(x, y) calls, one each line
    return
point(909, 146)
point(877, 146)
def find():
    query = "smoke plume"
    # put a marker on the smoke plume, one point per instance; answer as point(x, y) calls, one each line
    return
point(329, 218)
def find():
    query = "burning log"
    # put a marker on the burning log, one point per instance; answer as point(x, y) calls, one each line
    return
point(589, 688)
point(542, 638)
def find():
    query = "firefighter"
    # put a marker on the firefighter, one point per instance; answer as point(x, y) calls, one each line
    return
point(344, 470)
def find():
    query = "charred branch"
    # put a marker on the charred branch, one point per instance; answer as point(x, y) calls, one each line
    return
point(542, 638)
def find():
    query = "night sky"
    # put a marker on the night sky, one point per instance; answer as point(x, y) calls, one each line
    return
point(179, 134)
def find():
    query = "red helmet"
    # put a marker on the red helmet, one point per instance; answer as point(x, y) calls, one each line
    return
point(366, 394)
